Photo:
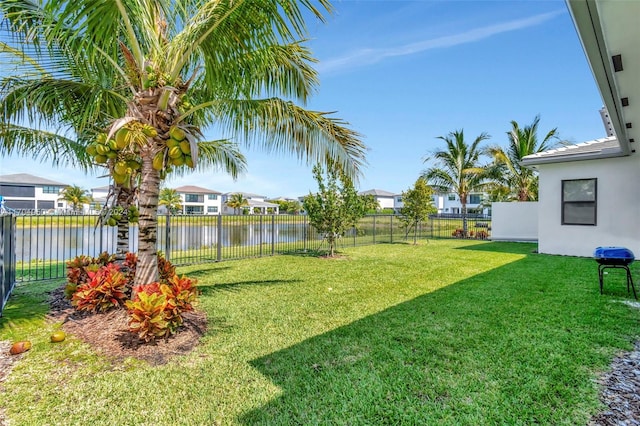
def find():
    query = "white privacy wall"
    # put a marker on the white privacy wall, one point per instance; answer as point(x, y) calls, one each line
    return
point(618, 207)
point(516, 221)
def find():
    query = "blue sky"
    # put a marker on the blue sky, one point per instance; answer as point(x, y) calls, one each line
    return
point(403, 73)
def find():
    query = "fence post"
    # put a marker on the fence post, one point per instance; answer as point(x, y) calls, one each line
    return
point(374, 229)
point(273, 234)
point(391, 222)
point(7, 258)
point(167, 237)
point(260, 234)
point(304, 234)
point(219, 242)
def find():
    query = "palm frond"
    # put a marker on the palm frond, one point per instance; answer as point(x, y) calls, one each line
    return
point(282, 127)
point(45, 146)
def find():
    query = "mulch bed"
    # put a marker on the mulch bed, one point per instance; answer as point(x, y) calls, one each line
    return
point(108, 332)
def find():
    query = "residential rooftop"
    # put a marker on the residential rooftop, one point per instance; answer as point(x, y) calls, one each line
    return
point(195, 190)
point(590, 150)
point(25, 178)
point(378, 192)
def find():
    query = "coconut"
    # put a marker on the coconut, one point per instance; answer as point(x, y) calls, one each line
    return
point(91, 149)
point(175, 152)
point(122, 137)
point(178, 161)
point(172, 142)
point(58, 336)
point(20, 347)
point(185, 147)
point(158, 161)
point(177, 133)
point(120, 168)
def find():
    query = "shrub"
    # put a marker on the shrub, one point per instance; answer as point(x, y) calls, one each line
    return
point(78, 270)
point(99, 284)
point(165, 269)
point(106, 289)
point(147, 313)
point(458, 233)
point(156, 310)
point(184, 291)
point(482, 235)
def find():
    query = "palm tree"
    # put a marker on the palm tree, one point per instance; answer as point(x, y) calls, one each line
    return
point(458, 169)
point(170, 198)
point(506, 168)
point(237, 201)
point(176, 67)
point(75, 197)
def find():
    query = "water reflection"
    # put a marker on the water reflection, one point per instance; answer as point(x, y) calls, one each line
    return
point(64, 242)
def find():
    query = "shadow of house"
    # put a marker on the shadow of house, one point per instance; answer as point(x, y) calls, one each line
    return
point(459, 355)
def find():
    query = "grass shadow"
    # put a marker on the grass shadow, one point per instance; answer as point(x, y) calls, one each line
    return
point(206, 289)
point(503, 247)
point(509, 346)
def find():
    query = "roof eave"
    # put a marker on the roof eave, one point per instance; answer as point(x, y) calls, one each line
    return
point(589, 27)
point(569, 157)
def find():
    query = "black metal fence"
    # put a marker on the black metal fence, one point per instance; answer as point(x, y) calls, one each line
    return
point(7, 258)
point(36, 247)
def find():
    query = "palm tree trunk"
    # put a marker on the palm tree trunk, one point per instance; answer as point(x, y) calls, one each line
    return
point(122, 246)
point(147, 268)
point(464, 216)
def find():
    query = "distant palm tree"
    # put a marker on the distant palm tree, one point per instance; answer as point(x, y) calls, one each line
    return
point(75, 197)
point(458, 169)
point(506, 168)
point(237, 201)
point(171, 199)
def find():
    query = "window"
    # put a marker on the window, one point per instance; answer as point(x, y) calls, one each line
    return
point(452, 197)
point(193, 198)
point(46, 205)
point(398, 199)
point(579, 201)
point(193, 209)
point(50, 189)
point(474, 199)
point(212, 196)
point(17, 191)
point(212, 209)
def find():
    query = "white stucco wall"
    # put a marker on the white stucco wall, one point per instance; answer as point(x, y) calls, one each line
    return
point(517, 221)
point(618, 207)
point(385, 202)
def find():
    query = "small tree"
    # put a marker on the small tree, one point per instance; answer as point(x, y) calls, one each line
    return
point(75, 197)
point(418, 205)
point(237, 201)
point(171, 199)
point(371, 205)
point(293, 207)
point(336, 206)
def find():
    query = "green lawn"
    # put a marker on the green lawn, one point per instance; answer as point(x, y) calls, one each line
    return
point(446, 332)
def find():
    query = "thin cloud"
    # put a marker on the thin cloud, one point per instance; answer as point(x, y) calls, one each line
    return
point(371, 56)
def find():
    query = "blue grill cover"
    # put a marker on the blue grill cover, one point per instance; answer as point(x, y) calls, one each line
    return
point(613, 255)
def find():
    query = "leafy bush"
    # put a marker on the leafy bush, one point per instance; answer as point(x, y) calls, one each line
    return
point(147, 312)
point(166, 270)
point(185, 292)
point(106, 289)
point(99, 284)
point(156, 309)
point(458, 233)
point(78, 270)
